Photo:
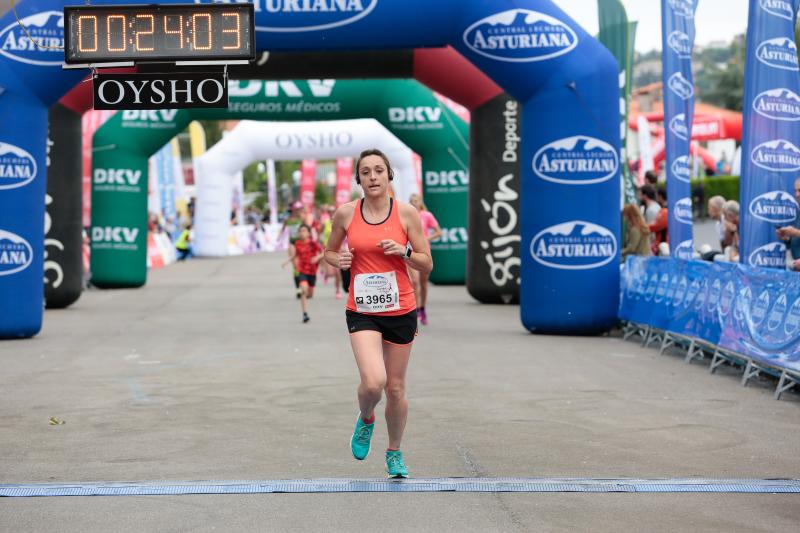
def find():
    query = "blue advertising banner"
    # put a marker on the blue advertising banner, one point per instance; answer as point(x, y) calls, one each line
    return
point(677, 37)
point(565, 80)
point(770, 152)
point(750, 311)
point(165, 170)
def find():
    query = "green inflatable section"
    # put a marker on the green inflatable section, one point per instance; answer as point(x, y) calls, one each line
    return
point(406, 107)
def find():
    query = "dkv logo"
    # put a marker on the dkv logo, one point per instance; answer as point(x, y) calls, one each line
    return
point(678, 127)
point(772, 255)
point(682, 211)
point(114, 237)
point(575, 245)
point(778, 104)
point(419, 114)
point(309, 15)
point(679, 85)
point(446, 180)
point(520, 35)
point(680, 169)
point(117, 179)
point(778, 156)
point(16, 253)
point(45, 28)
point(779, 8)
point(578, 160)
point(680, 43)
point(778, 53)
point(777, 207)
point(17, 167)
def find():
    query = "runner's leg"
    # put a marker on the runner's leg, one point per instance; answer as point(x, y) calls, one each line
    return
point(304, 296)
point(395, 360)
point(368, 350)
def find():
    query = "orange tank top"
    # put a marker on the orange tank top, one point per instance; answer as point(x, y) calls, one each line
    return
point(368, 257)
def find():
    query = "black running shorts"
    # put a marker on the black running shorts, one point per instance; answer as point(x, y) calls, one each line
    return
point(311, 280)
point(399, 329)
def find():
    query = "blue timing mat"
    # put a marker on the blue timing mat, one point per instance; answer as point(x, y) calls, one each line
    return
point(751, 486)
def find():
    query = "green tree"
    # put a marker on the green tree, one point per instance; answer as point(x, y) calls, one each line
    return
point(725, 86)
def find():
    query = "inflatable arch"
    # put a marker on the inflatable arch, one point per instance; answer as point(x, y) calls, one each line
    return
point(252, 141)
point(564, 79)
point(123, 145)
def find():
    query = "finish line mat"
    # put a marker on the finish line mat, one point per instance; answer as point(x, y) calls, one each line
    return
point(773, 486)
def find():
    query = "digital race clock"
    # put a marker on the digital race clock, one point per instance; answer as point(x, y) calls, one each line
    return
point(176, 32)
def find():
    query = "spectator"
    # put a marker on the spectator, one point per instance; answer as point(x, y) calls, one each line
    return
point(182, 246)
point(715, 205)
point(651, 178)
point(791, 233)
point(659, 227)
point(637, 239)
point(647, 195)
point(731, 213)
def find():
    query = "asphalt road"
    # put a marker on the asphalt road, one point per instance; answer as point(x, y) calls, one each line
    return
point(207, 373)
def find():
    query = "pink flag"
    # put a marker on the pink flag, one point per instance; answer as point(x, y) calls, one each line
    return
point(344, 180)
point(308, 182)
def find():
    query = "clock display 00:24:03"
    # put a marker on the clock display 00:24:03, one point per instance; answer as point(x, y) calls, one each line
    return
point(161, 32)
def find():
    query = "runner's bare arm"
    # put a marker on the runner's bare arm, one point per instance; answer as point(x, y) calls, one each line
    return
point(341, 220)
point(421, 256)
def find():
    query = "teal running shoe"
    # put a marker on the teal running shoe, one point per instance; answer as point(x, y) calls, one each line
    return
point(362, 436)
point(395, 466)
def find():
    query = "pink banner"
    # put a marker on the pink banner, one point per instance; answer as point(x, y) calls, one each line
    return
point(418, 172)
point(90, 122)
point(308, 182)
point(344, 180)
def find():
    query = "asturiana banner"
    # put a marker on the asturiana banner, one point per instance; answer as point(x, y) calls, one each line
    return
point(771, 136)
point(750, 311)
point(677, 36)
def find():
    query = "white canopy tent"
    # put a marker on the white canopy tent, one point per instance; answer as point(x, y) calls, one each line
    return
point(251, 141)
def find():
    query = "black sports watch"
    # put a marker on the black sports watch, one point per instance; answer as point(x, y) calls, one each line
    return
point(409, 251)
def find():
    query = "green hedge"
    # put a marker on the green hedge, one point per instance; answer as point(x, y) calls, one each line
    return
point(725, 186)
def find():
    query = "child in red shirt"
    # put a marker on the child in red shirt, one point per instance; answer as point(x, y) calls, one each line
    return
point(306, 256)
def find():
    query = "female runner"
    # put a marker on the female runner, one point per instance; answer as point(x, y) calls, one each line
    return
point(384, 238)
point(432, 231)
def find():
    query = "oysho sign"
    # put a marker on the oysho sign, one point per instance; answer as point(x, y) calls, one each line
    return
point(578, 160)
point(16, 253)
point(520, 35)
point(160, 91)
point(575, 245)
point(342, 139)
point(45, 28)
point(17, 167)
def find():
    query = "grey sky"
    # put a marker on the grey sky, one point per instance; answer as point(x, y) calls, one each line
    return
point(717, 20)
